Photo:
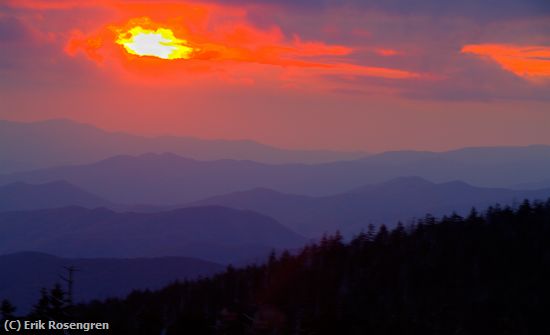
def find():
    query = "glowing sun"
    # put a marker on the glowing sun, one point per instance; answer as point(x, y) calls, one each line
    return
point(160, 43)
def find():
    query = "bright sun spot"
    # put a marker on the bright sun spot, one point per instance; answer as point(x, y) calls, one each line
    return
point(159, 43)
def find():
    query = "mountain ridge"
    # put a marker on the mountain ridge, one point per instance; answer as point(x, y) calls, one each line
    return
point(59, 193)
point(28, 146)
point(170, 179)
point(399, 199)
point(213, 233)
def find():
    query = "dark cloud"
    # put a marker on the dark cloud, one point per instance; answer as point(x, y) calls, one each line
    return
point(480, 9)
point(12, 30)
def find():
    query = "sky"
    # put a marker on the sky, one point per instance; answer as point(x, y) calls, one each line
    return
point(343, 74)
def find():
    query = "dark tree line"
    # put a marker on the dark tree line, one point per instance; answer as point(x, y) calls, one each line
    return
point(484, 274)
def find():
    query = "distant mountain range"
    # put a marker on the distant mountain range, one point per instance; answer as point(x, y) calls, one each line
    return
point(388, 202)
point(28, 146)
point(23, 196)
point(167, 179)
point(398, 199)
point(533, 185)
point(97, 278)
point(212, 233)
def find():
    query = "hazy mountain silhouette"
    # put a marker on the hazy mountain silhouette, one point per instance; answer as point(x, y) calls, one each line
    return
point(27, 146)
point(161, 179)
point(213, 233)
point(351, 211)
point(383, 203)
point(98, 278)
point(533, 185)
point(23, 196)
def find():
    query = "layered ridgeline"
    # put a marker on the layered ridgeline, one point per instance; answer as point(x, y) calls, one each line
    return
point(383, 203)
point(94, 278)
point(211, 233)
point(483, 274)
point(23, 196)
point(168, 179)
point(34, 145)
point(400, 199)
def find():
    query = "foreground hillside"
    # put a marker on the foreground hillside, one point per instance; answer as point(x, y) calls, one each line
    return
point(483, 274)
point(95, 278)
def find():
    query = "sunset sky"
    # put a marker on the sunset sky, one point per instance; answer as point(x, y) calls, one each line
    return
point(343, 74)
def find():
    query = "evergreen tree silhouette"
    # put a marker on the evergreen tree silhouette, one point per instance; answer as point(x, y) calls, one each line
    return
point(7, 309)
point(42, 308)
point(52, 304)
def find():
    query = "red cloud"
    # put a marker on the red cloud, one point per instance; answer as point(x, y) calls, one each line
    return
point(530, 62)
point(386, 52)
point(222, 37)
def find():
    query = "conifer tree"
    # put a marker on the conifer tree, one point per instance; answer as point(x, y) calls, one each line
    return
point(7, 309)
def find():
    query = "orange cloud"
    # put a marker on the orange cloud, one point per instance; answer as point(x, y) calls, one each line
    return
point(529, 62)
point(386, 52)
point(231, 42)
point(219, 37)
